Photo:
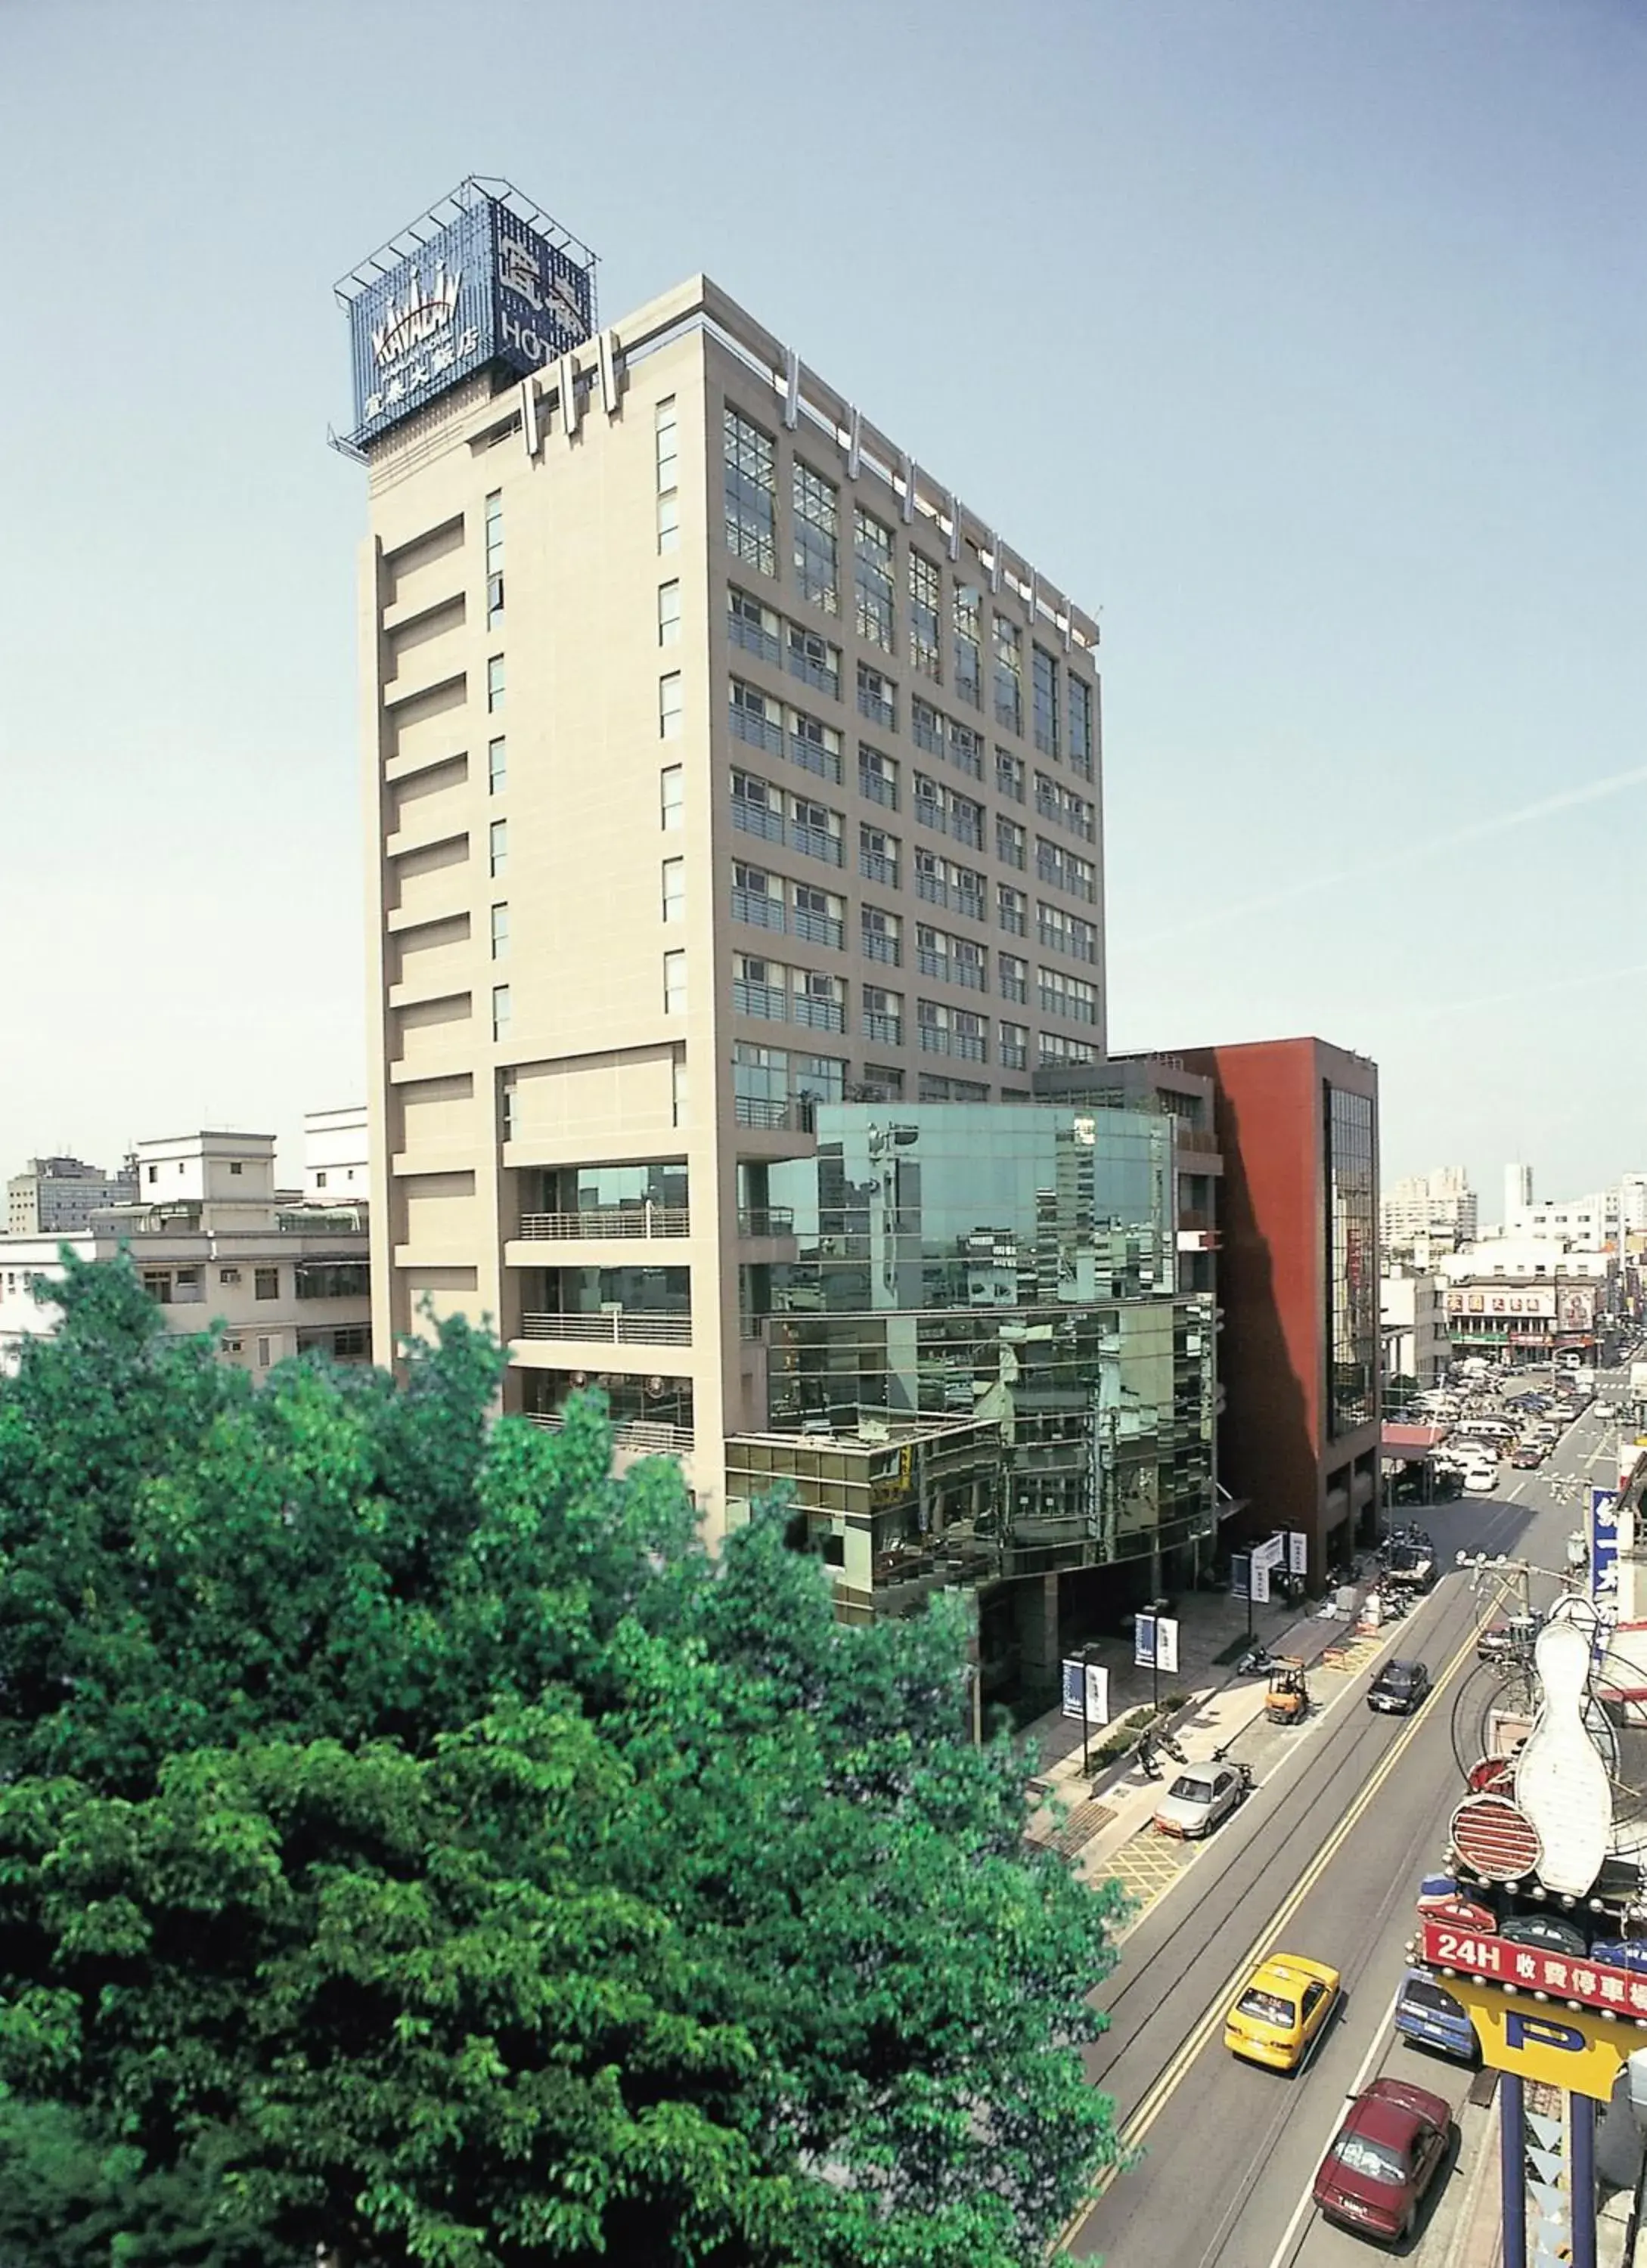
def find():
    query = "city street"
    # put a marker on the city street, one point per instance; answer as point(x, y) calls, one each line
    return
point(1324, 1861)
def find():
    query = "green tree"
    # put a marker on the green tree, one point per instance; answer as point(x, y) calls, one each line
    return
point(411, 1843)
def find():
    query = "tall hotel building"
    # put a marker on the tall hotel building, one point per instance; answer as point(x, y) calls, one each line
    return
point(725, 774)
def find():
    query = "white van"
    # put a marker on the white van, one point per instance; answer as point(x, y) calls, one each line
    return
point(1481, 1477)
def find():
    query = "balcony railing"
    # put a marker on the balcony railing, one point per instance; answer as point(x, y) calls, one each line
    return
point(815, 842)
point(877, 945)
point(815, 756)
point(818, 929)
point(769, 1001)
point(810, 672)
point(757, 907)
point(822, 1015)
point(759, 732)
point(607, 1221)
point(876, 866)
point(757, 819)
point(647, 1434)
point(877, 708)
point(885, 1031)
point(877, 787)
point(630, 1327)
point(763, 1111)
point(753, 638)
point(766, 1221)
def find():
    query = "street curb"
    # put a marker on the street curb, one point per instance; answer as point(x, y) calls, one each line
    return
point(1478, 2236)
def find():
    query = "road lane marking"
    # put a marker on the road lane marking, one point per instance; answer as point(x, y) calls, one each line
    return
point(1279, 2258)
point(1133, 2131)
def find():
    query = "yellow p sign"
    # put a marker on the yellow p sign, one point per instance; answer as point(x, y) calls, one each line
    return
point(1562, 2047)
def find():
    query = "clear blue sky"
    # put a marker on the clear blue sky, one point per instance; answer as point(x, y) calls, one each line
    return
point(1303, 342)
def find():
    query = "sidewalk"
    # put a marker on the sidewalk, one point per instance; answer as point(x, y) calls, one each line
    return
point(1104, 1815)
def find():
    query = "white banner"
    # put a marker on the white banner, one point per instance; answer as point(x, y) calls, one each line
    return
point(1097, 1681)
point(1297, 1552)
point(1270, 1553)
point(1259, 1593)
point(1143, 1641)
point(1167, 1645)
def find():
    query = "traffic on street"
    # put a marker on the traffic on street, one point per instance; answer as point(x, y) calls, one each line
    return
point(1311, 1883)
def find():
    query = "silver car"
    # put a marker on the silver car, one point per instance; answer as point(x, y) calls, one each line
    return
point(1200, 1797)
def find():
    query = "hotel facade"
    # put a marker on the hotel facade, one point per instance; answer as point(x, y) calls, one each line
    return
point(731, 789)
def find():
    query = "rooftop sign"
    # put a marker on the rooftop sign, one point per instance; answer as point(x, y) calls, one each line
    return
point(484, 277)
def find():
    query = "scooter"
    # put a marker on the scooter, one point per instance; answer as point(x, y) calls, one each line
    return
point(1255, 1663)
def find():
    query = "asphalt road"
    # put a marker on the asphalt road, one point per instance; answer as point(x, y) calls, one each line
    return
point(1324, 1860)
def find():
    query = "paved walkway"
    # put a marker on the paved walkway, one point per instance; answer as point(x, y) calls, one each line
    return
point(1106, 1829)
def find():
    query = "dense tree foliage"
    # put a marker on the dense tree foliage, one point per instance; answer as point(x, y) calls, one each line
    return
point(411, 1845)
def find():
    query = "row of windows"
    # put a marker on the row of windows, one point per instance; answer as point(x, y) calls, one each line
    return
point(763, 900)
point(760, 809)
point(777, 1087)
point(1061, 715)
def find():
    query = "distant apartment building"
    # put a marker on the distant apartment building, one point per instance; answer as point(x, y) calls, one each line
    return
point(1588, 1223)
point(57, 1196)
point(1517, 1192)
point(1437, 1206)
point(214, 1243)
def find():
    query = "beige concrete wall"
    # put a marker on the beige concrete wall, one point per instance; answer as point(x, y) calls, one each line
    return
point(595, 1062)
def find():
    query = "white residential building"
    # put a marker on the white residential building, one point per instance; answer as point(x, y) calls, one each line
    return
point(1437, 1205)
point(1411, 1317)
point(336, 1168)
point(215, 1245)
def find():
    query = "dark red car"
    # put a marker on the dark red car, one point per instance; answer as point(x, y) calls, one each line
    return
point(1392, 2143)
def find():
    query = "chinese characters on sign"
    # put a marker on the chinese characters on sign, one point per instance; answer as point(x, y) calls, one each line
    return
point(1613, 1992)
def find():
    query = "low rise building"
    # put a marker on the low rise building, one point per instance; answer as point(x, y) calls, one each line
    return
point(1413, 1320)
point(216, 1245)
point(1526, 1298)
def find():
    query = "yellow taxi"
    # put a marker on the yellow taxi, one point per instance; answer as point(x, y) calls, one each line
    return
point(1286, 2005)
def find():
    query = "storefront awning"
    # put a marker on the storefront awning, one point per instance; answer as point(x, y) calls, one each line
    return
point(1411, 1443)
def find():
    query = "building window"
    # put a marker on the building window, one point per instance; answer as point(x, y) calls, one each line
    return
point(153, 1172)
point(815, 521)
point(814, 660)
point(672, 798)
point(1352, 1257)
point(674, 984)
point(232, 1274)
point(498, 843)
point(266, 1283)
point(1012, 973)
point(499, 932)
point(1010, 841)
point(1015, 1046)
point(924, 594)
point(668, 613)
point(264, 1353)
point(968, 621)
point(752, 491)
point(1082, 741)
point(494, 682)
point(235, 1167)
point(1009, 774)
point(494, 558)
point(871, 576)
point(815, 745)
point(669, 705)
point(668, 495)
point(877, 697)
point(319, 1183)
point(677, 1089)
point(496, 767)
point(877, 855)
point(882, 1016)
point(1044, 687)
point(877, 776)
point(1009, 646)
point(674, 890)
point(506, 1107)
point(502, 1010)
